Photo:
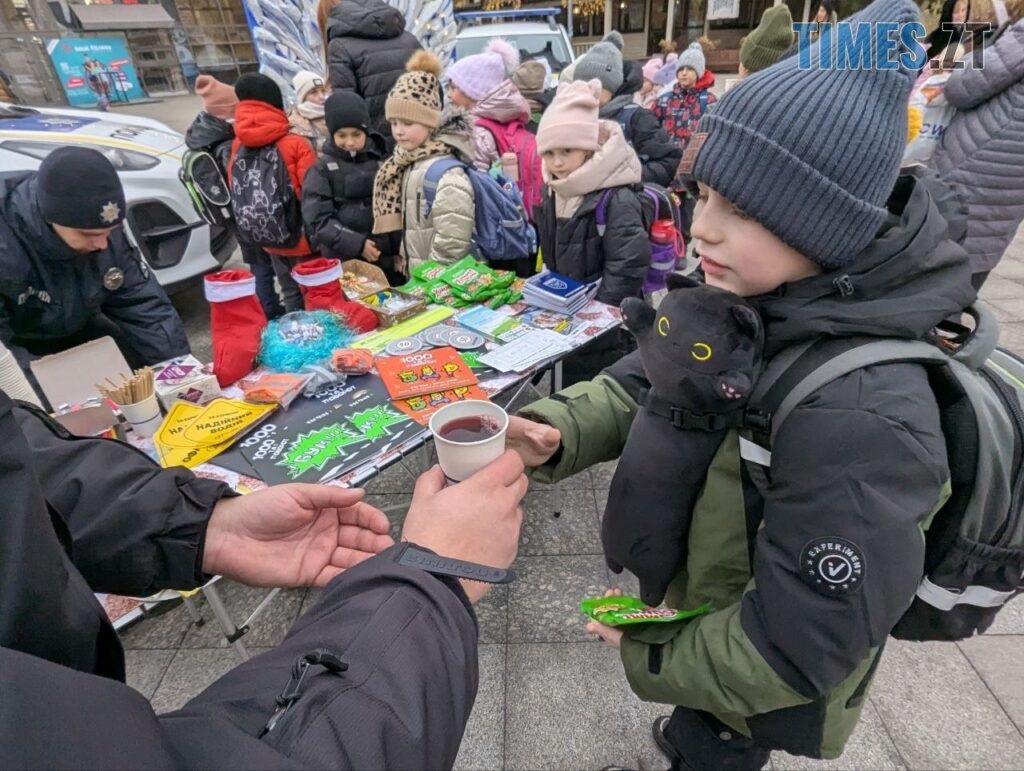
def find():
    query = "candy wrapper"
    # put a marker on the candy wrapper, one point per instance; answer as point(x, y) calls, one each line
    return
point(625, 611)
point(475, 282)
point(266, 387)
point(352, 361)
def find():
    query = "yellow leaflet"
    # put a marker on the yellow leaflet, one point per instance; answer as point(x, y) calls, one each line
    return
point(223, 419)
point(189, 457)
point(171, 431)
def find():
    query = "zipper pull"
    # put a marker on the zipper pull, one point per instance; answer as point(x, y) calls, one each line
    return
point(293, 689)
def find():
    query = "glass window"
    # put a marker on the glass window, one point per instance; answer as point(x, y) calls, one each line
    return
point(629, 15)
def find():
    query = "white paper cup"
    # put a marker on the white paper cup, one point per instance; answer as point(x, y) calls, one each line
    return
point(143, 416)
point(460, 460)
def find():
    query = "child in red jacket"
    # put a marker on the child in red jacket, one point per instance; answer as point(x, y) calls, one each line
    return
point(265, 174)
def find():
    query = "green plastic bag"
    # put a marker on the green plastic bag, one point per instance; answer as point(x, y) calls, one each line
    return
point(625, 611)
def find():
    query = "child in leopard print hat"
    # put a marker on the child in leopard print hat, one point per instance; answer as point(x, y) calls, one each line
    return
point(424, 135)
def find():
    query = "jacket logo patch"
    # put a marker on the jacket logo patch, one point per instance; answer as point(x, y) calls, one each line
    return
point(832, 565)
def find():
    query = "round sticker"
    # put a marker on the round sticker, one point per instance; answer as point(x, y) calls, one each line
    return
point(832, 565)
point(113, 279)
point(438, 337)
point(403, 345)
point(465, 341)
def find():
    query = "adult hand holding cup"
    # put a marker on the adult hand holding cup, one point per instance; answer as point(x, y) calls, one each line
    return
point(468, 436)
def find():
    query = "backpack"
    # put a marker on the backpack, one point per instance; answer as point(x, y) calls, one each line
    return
point(501, 232)
point(514, 138)
point(664, 224)
point(266, 208)
point(207, 189)
point(974, 547)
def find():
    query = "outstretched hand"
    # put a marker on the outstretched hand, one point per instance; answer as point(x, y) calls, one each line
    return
point(293, 535)
point(535, 442)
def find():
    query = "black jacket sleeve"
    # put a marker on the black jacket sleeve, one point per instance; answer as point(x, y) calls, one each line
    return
point(627, 251)
point(326, 233)
point(659, 156)
point(22, 356)
point(135, 528)
point(141, 309)
point(409, 643)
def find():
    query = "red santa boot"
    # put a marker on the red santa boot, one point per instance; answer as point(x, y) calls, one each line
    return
point(320, 280)
point(236, 323)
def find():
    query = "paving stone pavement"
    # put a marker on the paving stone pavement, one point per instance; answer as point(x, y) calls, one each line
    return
point(551, 698)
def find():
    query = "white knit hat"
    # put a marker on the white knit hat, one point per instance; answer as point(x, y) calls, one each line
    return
point(304, 82)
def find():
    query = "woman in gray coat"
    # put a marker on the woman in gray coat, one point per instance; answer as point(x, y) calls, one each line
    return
point(982, 152)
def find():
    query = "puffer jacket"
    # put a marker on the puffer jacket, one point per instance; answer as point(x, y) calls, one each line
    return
point(659, 156)
point(445, 236)
point(786, 657)
point(567, 221)
point(212, 134)
point(337, 202)
point(315, 129)
point(982, 152)
point(503, 105)
point(679, 111)
point(367, 48)
point(258, 124)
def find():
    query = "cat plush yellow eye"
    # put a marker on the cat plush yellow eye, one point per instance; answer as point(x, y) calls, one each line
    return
point(701, 351)
point(664, 327)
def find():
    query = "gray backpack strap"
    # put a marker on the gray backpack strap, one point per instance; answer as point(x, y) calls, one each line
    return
point(864, 355)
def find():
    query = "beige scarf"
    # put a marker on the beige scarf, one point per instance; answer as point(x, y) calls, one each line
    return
point(387, 187)
point(613, 165)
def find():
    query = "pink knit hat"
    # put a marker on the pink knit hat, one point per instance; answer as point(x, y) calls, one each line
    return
point(571, 120)
point(219, 99)
point(651, 68)
point(478, 75)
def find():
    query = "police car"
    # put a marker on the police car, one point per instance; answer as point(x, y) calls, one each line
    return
point(176, 244)
point(540, 37)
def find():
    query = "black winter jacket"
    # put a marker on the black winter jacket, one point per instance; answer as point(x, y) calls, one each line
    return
point(49, 292)
point(83, 515)
point(337, 201)
point(659, 156)
point(212, 134)
point(367, 48)
point(573, 247)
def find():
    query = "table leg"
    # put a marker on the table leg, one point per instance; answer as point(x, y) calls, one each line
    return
point(231, 632)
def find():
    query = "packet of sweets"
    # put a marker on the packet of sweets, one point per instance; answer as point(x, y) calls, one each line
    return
point(414, 287)
point(352, 361)
point(625, 611)
point(428, 271)
point(266, 387)
point(469, 279)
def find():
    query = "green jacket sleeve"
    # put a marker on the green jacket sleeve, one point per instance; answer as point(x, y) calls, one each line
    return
point(594, 418)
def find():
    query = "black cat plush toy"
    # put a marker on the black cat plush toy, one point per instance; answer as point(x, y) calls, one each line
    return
point(701, 350)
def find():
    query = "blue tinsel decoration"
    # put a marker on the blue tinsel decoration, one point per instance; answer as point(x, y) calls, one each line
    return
point(304, 337)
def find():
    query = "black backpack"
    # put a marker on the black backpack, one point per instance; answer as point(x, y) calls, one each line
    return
point(267, 211)
point(207, 189)
point(974, 546)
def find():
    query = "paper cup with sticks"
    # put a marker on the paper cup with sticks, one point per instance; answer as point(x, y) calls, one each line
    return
point(136, 398)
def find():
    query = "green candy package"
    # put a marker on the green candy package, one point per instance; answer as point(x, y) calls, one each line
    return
point(625, 611)
point(474, 282)
point(428, 271)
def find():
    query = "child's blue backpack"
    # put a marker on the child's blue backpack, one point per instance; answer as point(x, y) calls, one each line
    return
point(501, 232)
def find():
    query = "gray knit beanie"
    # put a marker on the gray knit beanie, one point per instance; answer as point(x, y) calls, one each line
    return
point(604, 62)
point(692, 57)
point(812, 155)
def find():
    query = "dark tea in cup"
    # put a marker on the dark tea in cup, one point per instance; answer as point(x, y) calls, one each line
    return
point(470, 428)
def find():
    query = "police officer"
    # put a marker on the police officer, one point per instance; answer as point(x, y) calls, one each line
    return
point(67, 271)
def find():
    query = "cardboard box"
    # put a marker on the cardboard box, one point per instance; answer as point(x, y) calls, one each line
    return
point(185, 379)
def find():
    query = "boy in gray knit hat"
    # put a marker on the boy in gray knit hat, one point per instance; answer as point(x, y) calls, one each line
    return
point(804, 213)
point(620, 82)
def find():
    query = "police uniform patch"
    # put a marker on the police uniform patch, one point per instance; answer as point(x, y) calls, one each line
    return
point(832, 565)
point(113, 279)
